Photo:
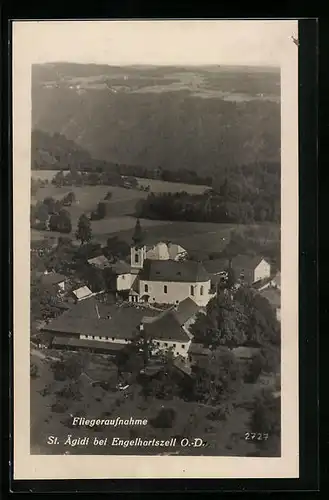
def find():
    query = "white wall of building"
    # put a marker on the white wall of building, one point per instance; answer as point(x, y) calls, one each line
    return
point(175, 291)
point(105, 339)
point(178, 348)
point(263, 270)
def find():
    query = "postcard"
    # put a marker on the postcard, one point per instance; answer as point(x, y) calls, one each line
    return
point(155, 188)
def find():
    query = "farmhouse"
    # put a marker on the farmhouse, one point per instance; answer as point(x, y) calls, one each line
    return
point(97, 326)
point(95, 322)
point(167, 334)
point(54, 279)
point(250, 269)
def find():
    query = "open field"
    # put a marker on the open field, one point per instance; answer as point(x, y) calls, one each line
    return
point(201, 237)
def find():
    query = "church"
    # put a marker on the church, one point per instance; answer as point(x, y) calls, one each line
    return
point(162, 275)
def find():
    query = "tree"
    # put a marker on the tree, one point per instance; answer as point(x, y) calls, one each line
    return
point(216, 378)
point(83, 232)
point(116, 249)
point(262, 327)
point(266, 418)
point(69, 199)
point(58, 179)
point(223, 324)
point(101, 210)
point(41, 211)
point(51, 204)
point(138, 234)
point(164, 419)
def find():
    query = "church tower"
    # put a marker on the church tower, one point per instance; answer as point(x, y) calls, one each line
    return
point(138, 248)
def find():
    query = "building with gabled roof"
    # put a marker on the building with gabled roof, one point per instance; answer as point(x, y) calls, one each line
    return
point(250, 269)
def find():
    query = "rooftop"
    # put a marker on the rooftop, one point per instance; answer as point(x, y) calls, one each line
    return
point(186, 310)
point(246, 261)
point(52, 278)
point(91, 317)
point(88, 344)
point(273, 296)
point(199, 349)
point(169, 270)
point(82, 292)
point(166, 327)
point(121, 267)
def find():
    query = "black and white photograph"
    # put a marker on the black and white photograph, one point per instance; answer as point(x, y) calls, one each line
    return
point(155, 259)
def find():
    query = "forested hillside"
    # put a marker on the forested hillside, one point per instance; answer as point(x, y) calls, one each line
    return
point(174, 118)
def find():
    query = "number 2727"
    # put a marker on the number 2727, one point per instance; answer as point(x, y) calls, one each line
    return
point(256, 436)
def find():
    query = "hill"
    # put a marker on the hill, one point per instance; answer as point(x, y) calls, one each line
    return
point(200, 119)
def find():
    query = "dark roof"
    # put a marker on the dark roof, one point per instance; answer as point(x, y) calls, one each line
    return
point(273, 296)
point(186, 310)
point(89, 344)
point(121, 267)
point(115, 321)
point(246, 261)
point(181, 364)
point(260, 283)
point(166, 327)
point(170, 270)
point(53, 278)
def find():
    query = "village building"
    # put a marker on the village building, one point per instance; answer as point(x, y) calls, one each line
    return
point(250, 269)
point(81, 293)
point(101, 327)
point(167, 334)
point(54, 279)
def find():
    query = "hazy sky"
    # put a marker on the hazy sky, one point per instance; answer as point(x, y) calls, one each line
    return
point(155, 42)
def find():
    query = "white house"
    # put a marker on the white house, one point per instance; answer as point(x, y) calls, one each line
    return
point(251, 268)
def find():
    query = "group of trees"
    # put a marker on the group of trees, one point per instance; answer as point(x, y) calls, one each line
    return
point(244, 317)
point(50, 214)
point(244, 196)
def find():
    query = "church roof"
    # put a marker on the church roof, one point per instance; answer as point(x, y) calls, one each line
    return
point(170, 270)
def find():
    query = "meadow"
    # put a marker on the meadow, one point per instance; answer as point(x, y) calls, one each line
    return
point(200, 238)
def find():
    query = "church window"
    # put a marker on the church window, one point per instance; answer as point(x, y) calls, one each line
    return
point(192, 290)
point(146, 288)
point(201, 290)
point(166, 344)
point(136, 258)
point(183, 346)
point(165, 289)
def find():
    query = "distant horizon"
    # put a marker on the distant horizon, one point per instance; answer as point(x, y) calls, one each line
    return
point(164, 65)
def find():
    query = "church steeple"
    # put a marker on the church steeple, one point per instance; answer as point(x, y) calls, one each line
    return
point(138, 249)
